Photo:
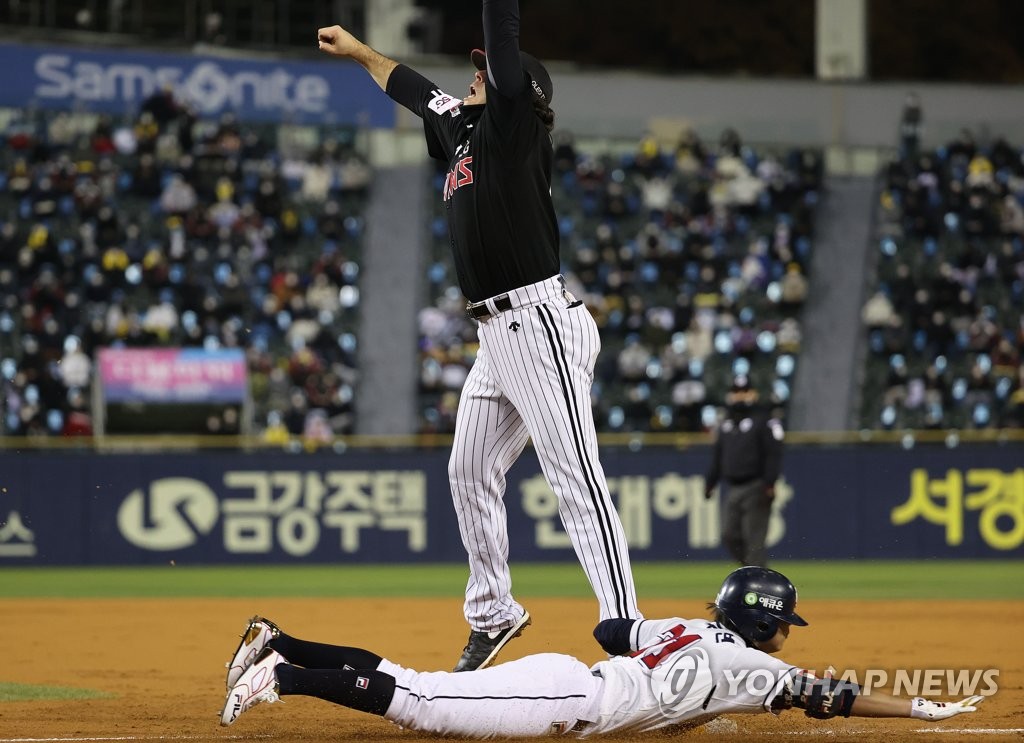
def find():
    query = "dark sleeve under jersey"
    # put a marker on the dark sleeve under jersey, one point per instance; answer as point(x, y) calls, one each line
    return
point(439, 110)
point(509, 99)
point(501, 42)
point(614, 635)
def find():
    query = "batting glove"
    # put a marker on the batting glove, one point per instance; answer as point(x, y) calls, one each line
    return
point(924, 709)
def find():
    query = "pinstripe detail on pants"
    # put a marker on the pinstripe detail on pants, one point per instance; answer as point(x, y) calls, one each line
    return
point(532, 379)
point(601, 500)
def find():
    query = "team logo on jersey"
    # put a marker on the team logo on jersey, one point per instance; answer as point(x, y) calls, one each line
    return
point(682, 681)
point(443, 102)
point(460, 175)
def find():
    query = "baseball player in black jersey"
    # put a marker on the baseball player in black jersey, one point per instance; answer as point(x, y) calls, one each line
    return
point(538, 344)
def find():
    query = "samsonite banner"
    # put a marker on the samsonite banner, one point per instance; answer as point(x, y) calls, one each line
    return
point(371, 506)
point(117, 81)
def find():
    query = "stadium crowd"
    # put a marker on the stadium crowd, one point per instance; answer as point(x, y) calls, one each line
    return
point(693, 259)
point(945, 321)
point(166, 230)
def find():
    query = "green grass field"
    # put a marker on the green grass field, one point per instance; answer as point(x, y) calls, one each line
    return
point(934, 579)
point(10, 692)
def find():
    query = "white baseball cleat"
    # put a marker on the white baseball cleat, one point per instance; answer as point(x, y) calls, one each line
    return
point(257, 634)
point(257, 684)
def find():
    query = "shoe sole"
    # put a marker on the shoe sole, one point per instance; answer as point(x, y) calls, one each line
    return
point(238, 704)
point(517, 629)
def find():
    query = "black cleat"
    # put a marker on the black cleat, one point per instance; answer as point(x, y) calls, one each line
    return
point(483, 647)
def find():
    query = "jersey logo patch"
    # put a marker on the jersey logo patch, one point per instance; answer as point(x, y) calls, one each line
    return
point(442, 102)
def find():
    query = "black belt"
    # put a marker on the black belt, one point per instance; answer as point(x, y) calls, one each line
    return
point(479, 311)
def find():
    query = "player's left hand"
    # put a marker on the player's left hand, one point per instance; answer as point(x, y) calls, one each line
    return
point(924, 709)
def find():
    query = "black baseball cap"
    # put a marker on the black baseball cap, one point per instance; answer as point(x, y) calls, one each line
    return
point(539, 77)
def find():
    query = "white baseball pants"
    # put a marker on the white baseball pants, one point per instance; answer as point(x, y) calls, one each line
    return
point(532, 378)
point(546, 694)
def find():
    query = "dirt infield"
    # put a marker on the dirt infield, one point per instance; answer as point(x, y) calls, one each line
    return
point(162, 659)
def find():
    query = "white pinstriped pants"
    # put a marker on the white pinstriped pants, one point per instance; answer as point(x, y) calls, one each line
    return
point(532, 378)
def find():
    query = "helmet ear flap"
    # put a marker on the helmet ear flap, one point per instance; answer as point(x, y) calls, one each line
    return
point(752, 626)
point(764, 629)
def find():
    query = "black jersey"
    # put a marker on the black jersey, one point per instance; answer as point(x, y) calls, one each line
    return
point(748, 446)
point(497, 193)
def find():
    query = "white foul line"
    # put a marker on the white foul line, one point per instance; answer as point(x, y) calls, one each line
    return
point(831, 732)
point(971, 731)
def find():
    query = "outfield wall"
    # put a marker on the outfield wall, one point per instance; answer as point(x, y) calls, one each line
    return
point(70, 508)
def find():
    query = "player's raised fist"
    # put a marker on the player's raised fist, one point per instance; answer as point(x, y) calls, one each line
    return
point(336, 40)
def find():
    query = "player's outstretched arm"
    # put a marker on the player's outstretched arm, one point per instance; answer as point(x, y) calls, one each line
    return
point(501, 40)
point(339, 42)
point(828, 697)
point(883, 705)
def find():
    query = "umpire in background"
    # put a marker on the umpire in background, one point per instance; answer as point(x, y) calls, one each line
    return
point(747, 457)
